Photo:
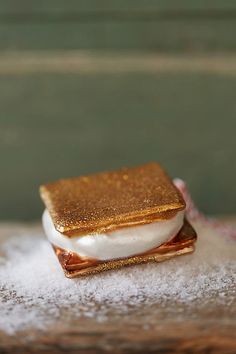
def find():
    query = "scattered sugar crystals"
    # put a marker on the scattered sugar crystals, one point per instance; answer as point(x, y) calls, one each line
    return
point(35, 293)
point(34, 290)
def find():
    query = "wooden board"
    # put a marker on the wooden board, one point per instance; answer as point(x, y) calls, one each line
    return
point(175, 328)
point(150, 34)
point(65, 115)
point(64, 6)
point(90, 74)
point(111, 25)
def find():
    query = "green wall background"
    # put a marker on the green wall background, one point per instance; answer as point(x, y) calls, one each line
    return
point(94, 85)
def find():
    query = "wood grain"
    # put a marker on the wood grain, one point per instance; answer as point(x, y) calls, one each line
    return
point(121, 102)
point(108, 25)
point(199, 328)
point(58, 122)
point(83, 62)
point(185, 35)
point(64, 6)
point(89, 338)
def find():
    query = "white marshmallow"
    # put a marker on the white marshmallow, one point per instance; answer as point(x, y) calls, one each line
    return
point(121, 243)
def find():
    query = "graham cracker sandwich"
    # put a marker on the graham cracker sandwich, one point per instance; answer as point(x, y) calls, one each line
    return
point(113, 219)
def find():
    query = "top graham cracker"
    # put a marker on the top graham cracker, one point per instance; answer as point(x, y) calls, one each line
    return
point(108, 201)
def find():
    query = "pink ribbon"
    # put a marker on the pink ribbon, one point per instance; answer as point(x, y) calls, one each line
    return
point(194, 214)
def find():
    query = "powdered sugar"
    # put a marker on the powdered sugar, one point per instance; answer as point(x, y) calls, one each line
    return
point(34, 289)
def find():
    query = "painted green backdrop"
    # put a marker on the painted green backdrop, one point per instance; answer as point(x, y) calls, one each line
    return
point(93, 85)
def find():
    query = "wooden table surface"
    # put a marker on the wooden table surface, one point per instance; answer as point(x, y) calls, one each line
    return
point(201, 328)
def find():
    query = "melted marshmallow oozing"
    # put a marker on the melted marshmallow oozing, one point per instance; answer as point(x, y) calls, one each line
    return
point(121, 243)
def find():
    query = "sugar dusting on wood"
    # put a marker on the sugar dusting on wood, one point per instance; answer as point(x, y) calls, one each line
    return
point(34, 291)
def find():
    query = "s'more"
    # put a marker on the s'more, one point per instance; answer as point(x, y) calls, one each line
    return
point(114, 219)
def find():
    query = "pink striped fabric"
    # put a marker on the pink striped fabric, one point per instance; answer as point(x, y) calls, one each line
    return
point(194, 214)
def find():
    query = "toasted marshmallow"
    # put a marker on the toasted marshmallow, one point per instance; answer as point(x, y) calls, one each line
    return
point(122, 243)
